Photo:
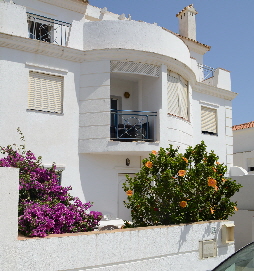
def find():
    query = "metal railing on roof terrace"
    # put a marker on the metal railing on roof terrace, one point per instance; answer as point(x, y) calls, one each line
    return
point(47, 29)
point(129, 125)
point(207, 73)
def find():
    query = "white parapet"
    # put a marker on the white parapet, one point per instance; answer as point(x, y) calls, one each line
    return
point(134, 35)
point(75, 39)
point(222, 79)
point(13, 19)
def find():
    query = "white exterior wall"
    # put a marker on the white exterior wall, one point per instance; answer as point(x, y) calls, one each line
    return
point(243, 140)
point(52, 136)
point(244, 160)
point(213, 142)
point(119, 86)
point(179, 132)
point(244, 197)
point(243, 148)
point(94, 101)
point(198, 58)
point(99, 178)
point(229, 133)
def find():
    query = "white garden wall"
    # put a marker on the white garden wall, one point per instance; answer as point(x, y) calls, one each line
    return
point(244, 230)
point(175, 247)
point(243, 219)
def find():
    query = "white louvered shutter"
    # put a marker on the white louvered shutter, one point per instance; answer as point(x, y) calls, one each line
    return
point(208, 120)
point(183, 98)
point(173, 107)
point(135, 68)
point(177, 95)
point(45, 92)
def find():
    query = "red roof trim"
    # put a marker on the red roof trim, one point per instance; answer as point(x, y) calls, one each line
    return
point(243, 126)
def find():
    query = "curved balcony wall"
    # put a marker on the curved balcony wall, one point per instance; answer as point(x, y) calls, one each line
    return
point(134, 35)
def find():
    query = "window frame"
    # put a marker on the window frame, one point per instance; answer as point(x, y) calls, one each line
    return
point(40, 31)
point(43, 91)
point(214, 129)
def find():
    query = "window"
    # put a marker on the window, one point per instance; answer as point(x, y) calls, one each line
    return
point(45, 92)
point(250, 164)
point(59, 176)
point(47, 29)
point(39, 31)
point(40, 27)
point(177, 95)
point(208, 120)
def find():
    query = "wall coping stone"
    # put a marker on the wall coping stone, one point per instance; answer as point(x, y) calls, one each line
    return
point(24, 238)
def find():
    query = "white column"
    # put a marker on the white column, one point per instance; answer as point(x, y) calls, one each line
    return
point(9, 196)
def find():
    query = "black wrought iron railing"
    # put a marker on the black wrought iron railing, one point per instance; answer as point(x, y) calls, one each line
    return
point(129, 125)
point(47, 29)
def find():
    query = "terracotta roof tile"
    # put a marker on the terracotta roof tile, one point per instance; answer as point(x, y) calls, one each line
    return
point(243, 126)
point(182, 37)
point(190, 6)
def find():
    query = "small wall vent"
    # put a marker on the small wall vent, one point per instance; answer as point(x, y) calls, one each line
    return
point(135, 68)
point(207, 249)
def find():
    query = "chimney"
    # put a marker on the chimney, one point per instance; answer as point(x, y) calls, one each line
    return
point(187, 22)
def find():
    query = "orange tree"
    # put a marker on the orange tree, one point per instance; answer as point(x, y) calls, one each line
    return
point(174, 188)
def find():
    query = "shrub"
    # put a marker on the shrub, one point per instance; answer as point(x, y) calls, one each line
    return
point(174, 188)
point(44, 205)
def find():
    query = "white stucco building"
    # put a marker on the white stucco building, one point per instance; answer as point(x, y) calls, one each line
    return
point(243, 173)
point(244, 146)
point(95, 92)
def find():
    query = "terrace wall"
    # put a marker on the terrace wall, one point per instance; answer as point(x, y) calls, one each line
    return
point(175, 247)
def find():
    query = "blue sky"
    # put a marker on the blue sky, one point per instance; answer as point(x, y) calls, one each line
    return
point(225, 25)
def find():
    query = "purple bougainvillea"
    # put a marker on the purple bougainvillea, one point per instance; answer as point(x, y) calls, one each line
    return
point(44, 205)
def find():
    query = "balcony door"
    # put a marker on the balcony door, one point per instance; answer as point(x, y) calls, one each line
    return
point(115, 104)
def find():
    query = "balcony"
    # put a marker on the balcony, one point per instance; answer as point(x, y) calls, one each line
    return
point(218, 77)
point(129, 125)
point(206, 74)
point(47, 29)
